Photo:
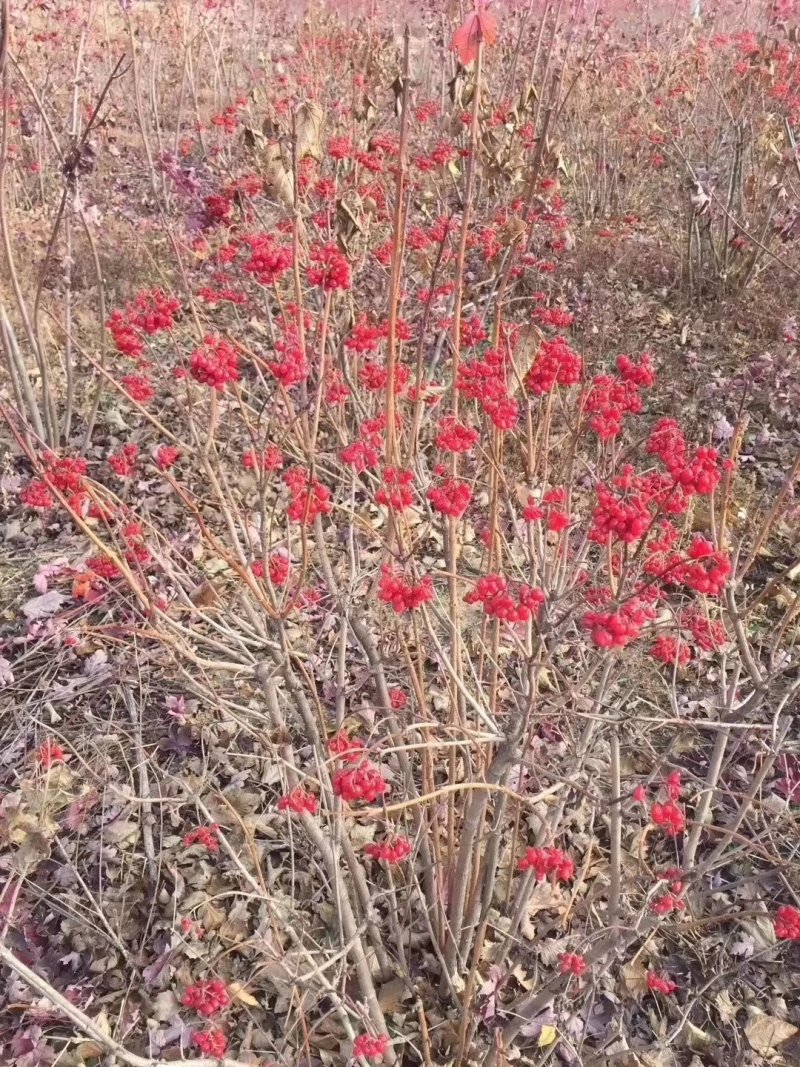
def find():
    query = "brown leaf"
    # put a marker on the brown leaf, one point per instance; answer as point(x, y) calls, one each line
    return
point(634, 979)
point(308, 129)
point(766, 1032)
point(391, 994)
point(206, 595)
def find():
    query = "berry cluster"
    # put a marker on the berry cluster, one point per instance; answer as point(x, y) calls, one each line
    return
point(49, 753)
point(555, 364)
point(138, 387)
point(617, 629)
point(619, 515)
point(371, 1048)
point(207, 836)
point(330, 269)
point(451, 497)
point(394, 850)
point(787, 923)
point(501, 601)
point(547, 861)
point(403, 593)
point(65, 476)
point(270, 459)
point(268, 260)
point(363, 782)
point(212, 1043)
point(207, 998)
point(670, 816)
point(454, 436)
point(396, 493)
point(123, 463)
point(166, 456)
point(671, 650)
point(150, 312)
point(706, 570)
point(299, 801)
point(572, 963)
point(660, 982)
point(346, 748)
point(215, 363)
point(308, 497)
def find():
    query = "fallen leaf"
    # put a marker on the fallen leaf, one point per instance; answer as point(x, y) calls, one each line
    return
point(308, 129)
point(391, 995)
point(766, 1032)
point(42, 607)
point(238, 992)
point(547, 1036)
point(634, 979)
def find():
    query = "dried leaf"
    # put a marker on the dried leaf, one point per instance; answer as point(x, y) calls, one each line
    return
point(634, 979)
point(238, 992)
point(391, 995)
point(547, 1036)
point(766, 1032)
point(308, 128)
point(42, 607)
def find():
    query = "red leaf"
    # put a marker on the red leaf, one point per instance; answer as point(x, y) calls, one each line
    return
point(481, 24)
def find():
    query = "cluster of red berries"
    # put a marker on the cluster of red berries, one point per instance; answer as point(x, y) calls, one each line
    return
point(346, 748)
point(363, 454)
point(617, 629)
point(279, 568)
point(699, 473)
point(454, 436)
point(212, 1043)
point(394, 850)
point(137, 552)
point(670, 816)
point(64, 475)
point(150, 312)
point(268, 260)
point(374, 376)
point(215, 363)
point(787, 923)
point(451, 497)
point(123, 463)
point(292, 368)
point(619, 516)
point(362, 782)
point(207, 998)
point(395, 492)
point(49, 753)
point(609, 400)
point(370, 1048)
point(403, 593)
point(308, 497)
point(484, 380)
point(270, 459)
point(572, 963)
point(299, 801)
point(502, 601)
point(660, 982)
point(550, 509)
point(555, 364)
point(706, 570)
point(207, 836)
point(547, 861)
point(329, 268)
point(708, 635)
point(671, 650)
point(166, 456)
point(138, 387)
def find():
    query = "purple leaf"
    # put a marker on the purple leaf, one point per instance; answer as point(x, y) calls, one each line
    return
point(40, 607)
